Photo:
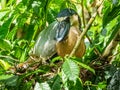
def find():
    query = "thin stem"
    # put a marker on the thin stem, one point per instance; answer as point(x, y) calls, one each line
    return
point(84, 25)
point(83, 18)
point(83, 33)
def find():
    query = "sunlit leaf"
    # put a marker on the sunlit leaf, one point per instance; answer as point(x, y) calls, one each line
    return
point(86, 66)
point(70, 69)
point(3, 13)
point(5, 28)
point(42, 86)
point(5, 45)
point(109, 15)
point(4, 64)
point(56, 59)
point(101, 85)
point(12, 33)
point(4, 77)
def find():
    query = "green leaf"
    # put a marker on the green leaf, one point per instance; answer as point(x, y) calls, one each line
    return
point(85, 66)
point(42, 86)
point(56, 83)
point(109, 15)
point(12, 81)
point(115, 29)
point(115, 81)
point(70, 69)
point(102, 85)
point(27, 85)
point(4, 77)
point(109, 71)
point(5, 45)
point(56, 59)
point(3, 13)
point(78, 85)
point(12, 33)
point(5, 28)
point(9, 80)
point(75, 86)
point(4, 64)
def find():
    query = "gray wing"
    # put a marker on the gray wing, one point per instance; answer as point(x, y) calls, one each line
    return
point(45, 44)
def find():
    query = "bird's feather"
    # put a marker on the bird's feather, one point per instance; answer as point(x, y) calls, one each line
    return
point(45, 43)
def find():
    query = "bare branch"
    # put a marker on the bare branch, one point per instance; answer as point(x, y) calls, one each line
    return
point(84, 24)
point(83, 18)
point(112, 45)
point(83, 33)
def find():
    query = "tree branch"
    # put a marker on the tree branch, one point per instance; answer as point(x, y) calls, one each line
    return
point(84, 24)
point(84, 32)
point(83, 18)
point(112, 45)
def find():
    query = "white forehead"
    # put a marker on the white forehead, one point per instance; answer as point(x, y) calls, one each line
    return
point(61, 18)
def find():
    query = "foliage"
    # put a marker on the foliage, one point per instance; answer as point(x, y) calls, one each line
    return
point(22, 20)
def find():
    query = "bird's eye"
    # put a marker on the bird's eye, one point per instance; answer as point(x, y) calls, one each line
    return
point(67, 18)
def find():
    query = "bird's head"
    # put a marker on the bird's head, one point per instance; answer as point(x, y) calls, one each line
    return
point(66, 18)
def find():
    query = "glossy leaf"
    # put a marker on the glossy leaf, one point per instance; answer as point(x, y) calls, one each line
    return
point(115, 30)
point(85, 66)
point(4, 77)
point(70, 69)
point(42, 86)
point(4, 64)
point(5, 45)
point(109, 15)
point(5, 28)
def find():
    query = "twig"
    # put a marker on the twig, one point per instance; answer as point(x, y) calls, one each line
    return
point(8, 57)
point(83, 18)
point(95, 49)
point(114, 42)
point(84, 24)
point(83, 33)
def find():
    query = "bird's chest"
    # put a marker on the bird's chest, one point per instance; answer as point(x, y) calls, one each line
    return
point(66, 46)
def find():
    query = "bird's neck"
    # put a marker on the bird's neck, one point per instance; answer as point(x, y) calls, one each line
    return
point(75, 21)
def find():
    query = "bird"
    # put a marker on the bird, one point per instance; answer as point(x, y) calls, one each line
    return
point(59, 37)
point(67, 33)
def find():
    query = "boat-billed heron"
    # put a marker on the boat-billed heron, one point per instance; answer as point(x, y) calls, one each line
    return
point(67, 33)
point(60, 36)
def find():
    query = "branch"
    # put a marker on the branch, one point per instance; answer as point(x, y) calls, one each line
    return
point(84, 24)
point(83, 33)
point(8, 57)
point(83, 14)
point(112, 45)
